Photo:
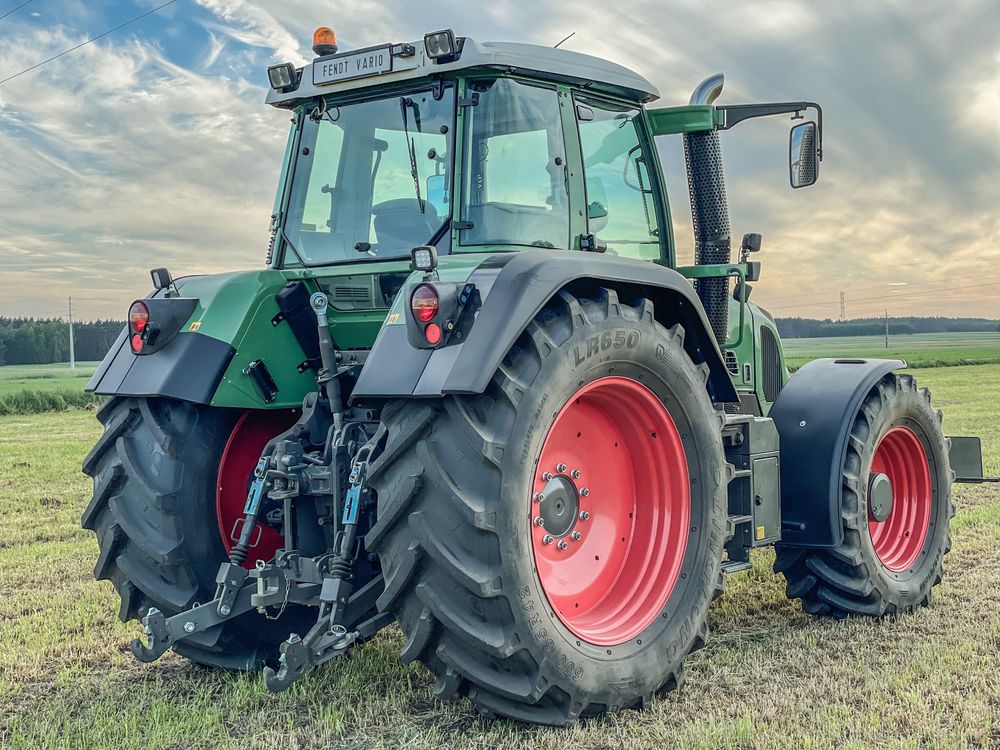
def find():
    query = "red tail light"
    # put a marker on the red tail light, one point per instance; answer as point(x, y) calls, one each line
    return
point(432, 333)
point(424, 303)
point(138, 319)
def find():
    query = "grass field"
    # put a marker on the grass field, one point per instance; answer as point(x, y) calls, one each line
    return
point(919, 350)
point(770, 676)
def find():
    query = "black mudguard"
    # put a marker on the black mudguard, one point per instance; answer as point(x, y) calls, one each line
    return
point(514, 288)
point(189, 367)
point(814, 413)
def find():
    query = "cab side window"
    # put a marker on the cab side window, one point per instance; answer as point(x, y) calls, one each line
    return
point(515, 177)
point(621, 210)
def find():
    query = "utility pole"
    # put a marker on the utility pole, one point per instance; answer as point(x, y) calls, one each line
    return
point(72, 354)
point(842, 306)
point(887, 328)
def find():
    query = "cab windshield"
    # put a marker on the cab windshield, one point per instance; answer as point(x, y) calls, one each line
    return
point(371, 179)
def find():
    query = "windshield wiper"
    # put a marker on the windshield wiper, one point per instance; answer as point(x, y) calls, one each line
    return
point(405, 102)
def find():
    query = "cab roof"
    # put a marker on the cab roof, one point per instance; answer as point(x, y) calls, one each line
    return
point(511, 57)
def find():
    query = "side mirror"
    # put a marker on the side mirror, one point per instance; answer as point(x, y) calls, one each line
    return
point(803, 155)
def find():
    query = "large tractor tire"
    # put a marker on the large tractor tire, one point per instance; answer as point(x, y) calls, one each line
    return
point(895, 507)
point(157, 516)
point(551, 547)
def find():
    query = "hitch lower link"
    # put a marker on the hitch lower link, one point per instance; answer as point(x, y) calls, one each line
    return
point(323, 581)
point(328, 637)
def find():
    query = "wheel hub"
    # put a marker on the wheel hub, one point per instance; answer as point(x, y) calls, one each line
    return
point(559, 506)
point(879, 496)
point(610, 510)
point(900, 499)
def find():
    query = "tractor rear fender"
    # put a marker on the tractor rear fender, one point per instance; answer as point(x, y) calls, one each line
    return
point(514, 287)
point(814, 413)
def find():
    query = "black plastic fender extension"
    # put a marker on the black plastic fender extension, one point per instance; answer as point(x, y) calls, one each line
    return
point(514, 288)
point(814, 413)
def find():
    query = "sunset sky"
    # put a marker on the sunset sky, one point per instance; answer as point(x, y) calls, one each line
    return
point(152, 146)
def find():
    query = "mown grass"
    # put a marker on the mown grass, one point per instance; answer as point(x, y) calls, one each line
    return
point(770, 677)
point(923, 350)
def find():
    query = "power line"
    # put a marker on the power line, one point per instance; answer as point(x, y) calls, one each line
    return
point(14, 9)
point(92, 39)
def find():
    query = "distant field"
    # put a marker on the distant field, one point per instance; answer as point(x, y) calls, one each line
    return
point(57, 370)
point(919, 350)
point(45, 377)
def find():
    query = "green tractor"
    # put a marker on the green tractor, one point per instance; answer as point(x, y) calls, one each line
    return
point(472, 392)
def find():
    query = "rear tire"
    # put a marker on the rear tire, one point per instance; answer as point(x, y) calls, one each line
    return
point(154, 514)
point(882, 567)
point(458, 549)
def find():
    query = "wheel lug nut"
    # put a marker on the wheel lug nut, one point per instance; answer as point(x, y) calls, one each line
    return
point(585, 492)
point(577, 536)
point(547, 475)
point(575, 473)
point(539, 521)
point(584, 515)
point(547, 539)
point(561, 468)
point(562, 544)
point(538, 497)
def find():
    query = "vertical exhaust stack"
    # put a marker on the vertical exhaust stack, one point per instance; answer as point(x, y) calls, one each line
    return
point(709, 210)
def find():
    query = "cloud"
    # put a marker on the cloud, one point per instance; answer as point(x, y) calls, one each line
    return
point(140, 163)
point(253, 25)
point(216, 45)
point(118, 158)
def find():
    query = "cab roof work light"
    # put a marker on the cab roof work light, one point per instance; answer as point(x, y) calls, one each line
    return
point(283, 77)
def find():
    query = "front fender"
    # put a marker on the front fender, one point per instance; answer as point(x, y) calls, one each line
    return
point(814, 413)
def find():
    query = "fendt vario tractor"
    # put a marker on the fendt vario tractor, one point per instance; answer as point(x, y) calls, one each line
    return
point(472, 392)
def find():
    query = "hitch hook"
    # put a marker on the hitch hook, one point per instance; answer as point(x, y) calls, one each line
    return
point(155, 626)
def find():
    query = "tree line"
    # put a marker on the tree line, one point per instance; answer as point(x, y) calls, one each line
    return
point(32, 341)
point(811, 328)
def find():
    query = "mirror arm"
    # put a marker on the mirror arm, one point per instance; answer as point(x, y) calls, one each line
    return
point(734, 114)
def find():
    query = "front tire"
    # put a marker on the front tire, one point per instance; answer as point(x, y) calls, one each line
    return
point(482, 599)
point(895, 507)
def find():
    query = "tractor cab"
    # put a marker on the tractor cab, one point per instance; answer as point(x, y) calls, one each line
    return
point(467, 146)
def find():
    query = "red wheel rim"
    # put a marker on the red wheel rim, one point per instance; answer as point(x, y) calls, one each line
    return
point(615, 446)
point(899, 539)
point(239, 458)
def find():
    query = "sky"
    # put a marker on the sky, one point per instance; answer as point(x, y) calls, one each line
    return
point(153, 147)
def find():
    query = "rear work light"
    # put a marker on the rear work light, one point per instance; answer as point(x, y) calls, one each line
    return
point(138, 322)
point(424, 303)
point(281, 77)
point(440, 44)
